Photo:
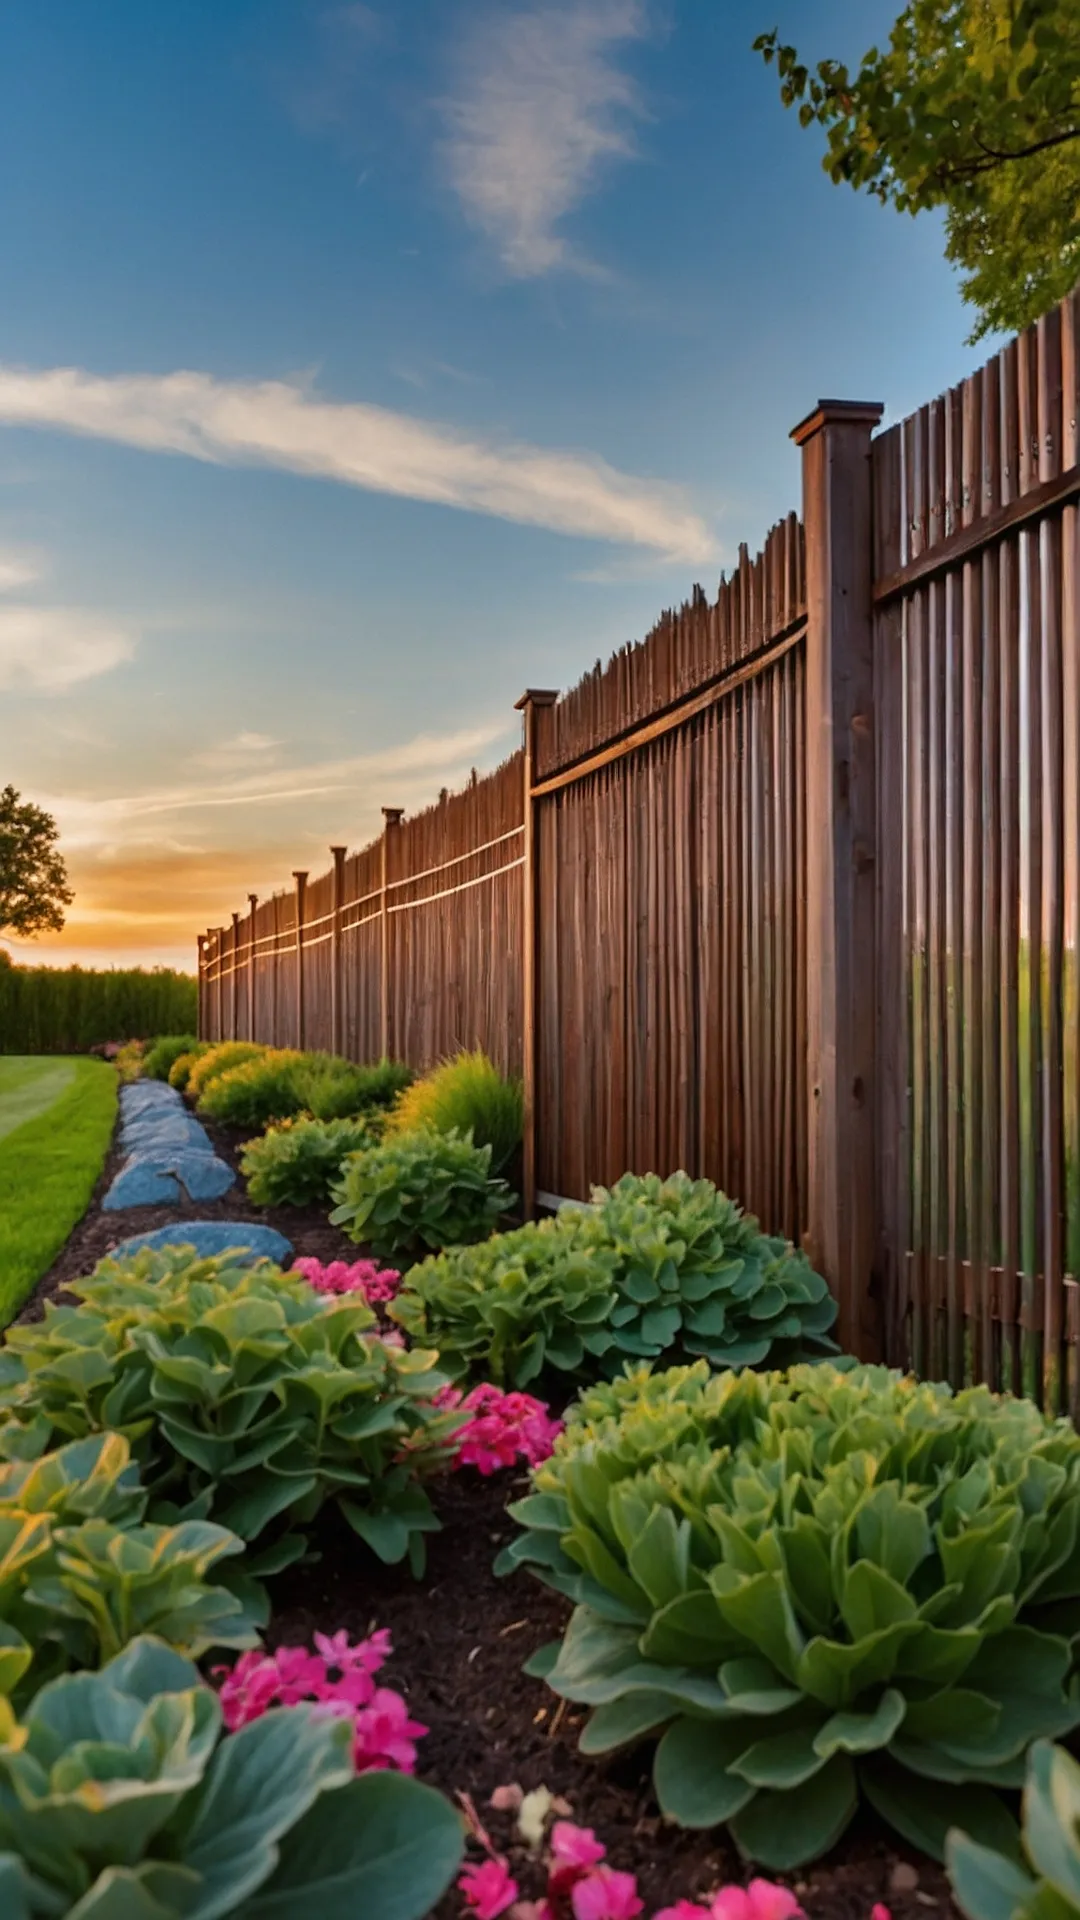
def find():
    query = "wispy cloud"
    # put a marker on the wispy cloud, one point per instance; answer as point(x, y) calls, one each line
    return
point(18, 568)
point(52, 648)
point(541, 106)
point(278, 424)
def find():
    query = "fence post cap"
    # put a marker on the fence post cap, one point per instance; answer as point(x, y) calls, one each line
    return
point(537, 697)
point(832, 413)
point(338, 853)
point(300, 875)
point(393, 815)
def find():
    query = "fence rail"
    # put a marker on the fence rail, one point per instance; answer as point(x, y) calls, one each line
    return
point(787, 893)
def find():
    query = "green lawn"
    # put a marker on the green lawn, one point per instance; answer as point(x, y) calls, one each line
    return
point(56, 1120)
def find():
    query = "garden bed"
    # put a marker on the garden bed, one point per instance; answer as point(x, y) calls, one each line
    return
point(461, 1636)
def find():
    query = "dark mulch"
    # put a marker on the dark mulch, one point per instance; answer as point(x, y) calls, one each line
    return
point(98, 1233)
point(460, 1638)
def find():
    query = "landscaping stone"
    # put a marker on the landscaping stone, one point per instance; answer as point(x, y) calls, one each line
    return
point(210, 1237)
point(138, 1184)
point(142, 1182)
point(151, 1132)
point(149, 1094)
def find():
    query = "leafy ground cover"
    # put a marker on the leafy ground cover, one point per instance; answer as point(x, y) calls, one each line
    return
point(56, 1119)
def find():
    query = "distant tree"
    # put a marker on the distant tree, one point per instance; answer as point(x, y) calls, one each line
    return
point(974, 107)
point(33, 878)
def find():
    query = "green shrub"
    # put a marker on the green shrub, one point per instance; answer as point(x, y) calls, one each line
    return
point(121, 1798)
point(419, 1192)
point(515, 1304)
point(181, 1067)
point(335, 1089)
point(254, 1092)
point(696, 1276)
point(80, 1574)
point(466, 1095)
point(245, 1395)
point(988, 1885)
point(219, 1059)
point(158, 1059)
point(814, 1584)
point(296, 1164)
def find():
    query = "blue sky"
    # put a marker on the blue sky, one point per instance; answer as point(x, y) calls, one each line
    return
point(363, 364)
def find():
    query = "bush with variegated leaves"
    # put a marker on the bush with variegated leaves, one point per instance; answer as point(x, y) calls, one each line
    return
point(814, 1586)
point(122, 1797)
point(246, 1395)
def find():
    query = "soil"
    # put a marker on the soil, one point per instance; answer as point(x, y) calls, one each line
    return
point(460, 1639)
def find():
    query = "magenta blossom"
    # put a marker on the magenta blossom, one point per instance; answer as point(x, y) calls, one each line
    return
point(488, 1889)
point(503, 1428)
point(605, 1894)
point(761, 1900)
point(377, 1284)
point(339, 1679)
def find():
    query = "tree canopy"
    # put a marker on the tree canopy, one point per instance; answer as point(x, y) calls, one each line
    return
point(973, 107)
point(33, 878)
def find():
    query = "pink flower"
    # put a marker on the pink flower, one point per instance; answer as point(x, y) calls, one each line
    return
point(879, 1911)
point(338, 1677)
point(683, 1910)
point(574, 1849)
point(503, 1428)
point(377, 1284)
point(606, 1895)
point(488, 1889)
point(385, 1736)
point(761, 1900)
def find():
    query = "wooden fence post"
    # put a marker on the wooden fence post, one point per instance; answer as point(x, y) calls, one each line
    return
point(275, 969)
point(301, 890)
point(841, 846)
point(219, 997)
point(200, 1004)
point(234, 992)
point(391, 821)
point(253, 901)
point(338, 856)
point(533, 702)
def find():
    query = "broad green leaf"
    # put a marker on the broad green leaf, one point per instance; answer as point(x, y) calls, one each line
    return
point(783, 1760)
point(1051, 1817)
point(923, 1815)
point(384, 1533)
point(622, 1722)
point(384, 1846)
point(155, 1891)
point(262, 1779)
point(692, 1773)
point(690, 1631)
point(863, 1732)
point(986, 1885)
point(760, 1610)
point(754, 1687)
point(785, 1830)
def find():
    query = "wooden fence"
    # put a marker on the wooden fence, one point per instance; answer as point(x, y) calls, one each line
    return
point(787, 894)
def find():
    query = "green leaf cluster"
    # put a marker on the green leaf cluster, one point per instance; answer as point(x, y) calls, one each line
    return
point(162, 1054)
point(219, 1059)
point(297, 1163)
point(974, 106)
point(81, 1574)
point(245, 1395)
point(254, 1092)
point(181, 1067)
point(695, 1275)
point(989, 1886)
point(469, 1095)
point(121, 1800)
point(513, 1305)
point(416, 1193)
point(815, 1584)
